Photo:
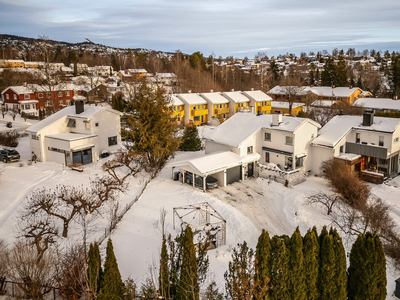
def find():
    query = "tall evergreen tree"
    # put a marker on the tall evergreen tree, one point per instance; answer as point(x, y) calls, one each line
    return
point(94, 271)
point(163, 279)
point(297, 285)
point(190, 140)
point(326, 282)
point(111, 283)
point(274, 69)
point(367, 278)
point(311, 264)
point(340, 276)
point(322, 235)
point(394, 76)
point(279, 262)
point(341, 72)
point(188, 286)
point(263, 268)
point(328, 74)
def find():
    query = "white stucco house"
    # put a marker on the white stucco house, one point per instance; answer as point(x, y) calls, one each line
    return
point(76, 134)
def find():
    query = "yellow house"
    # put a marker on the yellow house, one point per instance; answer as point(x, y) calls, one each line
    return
point(348, 95)
point(132, 74)
point(283, 107)
point(237, 102)
point(260, 101)
point(219, 106)
point(195, 108)
point(14, 63)
point(31, 65)
point(178, 109)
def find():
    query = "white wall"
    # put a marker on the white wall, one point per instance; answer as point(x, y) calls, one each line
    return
point(109, 125)
point(212, 147)
point(317, 155)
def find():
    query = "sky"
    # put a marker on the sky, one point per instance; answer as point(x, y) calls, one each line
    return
point(222, 28)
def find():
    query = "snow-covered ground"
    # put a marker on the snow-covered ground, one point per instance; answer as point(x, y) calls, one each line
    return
point(248, 207)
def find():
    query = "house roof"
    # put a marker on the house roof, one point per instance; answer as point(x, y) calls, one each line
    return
point(70, 136)
point(324, 103)
point(215, 98)
point(283, 104)
point(323, 91)
point(175, 100)
point(241, 126)
point(89, 111)
point(378, 103)
point(339, 126)
point(282, 90)
point(214, 162)
point(236, 97)
point(257, 95)
point(192, 99)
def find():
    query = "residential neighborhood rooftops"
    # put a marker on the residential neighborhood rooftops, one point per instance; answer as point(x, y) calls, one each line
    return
point(378, 103)
point(283, 104)
point(175, 100)
point(257, 95)
point(192, 99)
point(323, 103)
point(340, 125)
point(215, 98)
point(323, 91)
point(236, 97)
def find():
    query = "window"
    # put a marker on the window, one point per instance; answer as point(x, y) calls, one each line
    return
point(61, 103)
point(48, 95)
point(97, 124)
point(7, 96)
point(15, 97)
point(289, 140)
point(196, 118)
point(48, 103)
point(67, 93)
point(396, 140)
point(299, 162)
point(26, 96)
point(267, 136)
point(71, 123)
point(59, 94)
point(381, 141)
point(267, 157)
point(34, 137)
point(312, 135)
point(341, 149)
point(358, 138)
point(68, 102)
point(249, 149)
point(56, 150)
point(112, 141)
point(40, 95)
point(288, 162)
point(87, 124)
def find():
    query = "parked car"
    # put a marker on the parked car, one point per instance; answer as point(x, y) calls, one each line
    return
point(10, 155)
point(211, 182)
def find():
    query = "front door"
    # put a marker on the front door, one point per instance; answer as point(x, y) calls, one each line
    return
point(250, 169)
point(202, 119)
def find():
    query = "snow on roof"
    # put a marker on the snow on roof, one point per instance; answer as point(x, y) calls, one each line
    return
point(283, 90)
point(349, 156)
point(241, 126)
point(378, 103)
point(214, 98)
point(340, 125)
point(324, 103)
point(236, 97)
point(70, 136)
point(175, 100)
point(283, 104)
point(20, 89)
point(137, 70)
point(257, 96)
point(192, 99)
point(328, 91)
point(214, 162)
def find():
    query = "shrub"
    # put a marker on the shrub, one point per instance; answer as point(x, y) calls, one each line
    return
point(346, 183)
point(9, 138)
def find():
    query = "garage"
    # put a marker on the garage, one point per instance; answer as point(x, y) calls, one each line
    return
point(233, 174)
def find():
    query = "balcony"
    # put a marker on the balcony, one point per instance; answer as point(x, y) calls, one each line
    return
point(367, 150)
point(219, 111)
point(199, 112)
point(264, 108)
point(178, 113)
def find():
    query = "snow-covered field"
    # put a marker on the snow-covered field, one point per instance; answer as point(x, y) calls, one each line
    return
point(247, 206)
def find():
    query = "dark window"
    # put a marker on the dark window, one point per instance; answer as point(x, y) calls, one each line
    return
point(267, 157)
point(341, 149)
point(381, 141)
point(112, 140)
point(97, 124)
point(71, 123)
point(299, 162)
point(267, 136)
point(358, 138)
point(289, 140)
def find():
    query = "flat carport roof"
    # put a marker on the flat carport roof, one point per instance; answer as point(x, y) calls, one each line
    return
point(214, 162)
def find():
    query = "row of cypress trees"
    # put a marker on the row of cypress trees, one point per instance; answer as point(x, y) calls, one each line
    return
point(313, 267)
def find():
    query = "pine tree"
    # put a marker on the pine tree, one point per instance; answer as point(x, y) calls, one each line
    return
point(111, 284)
point(341, 72)
point(367, 278)
point(326, 282)
point(190, 140)
point(328, 74)
point(188, 286)
point(340, 276)
point(297, 286)
point(152, 131)
point(163, 278)
point(94, 271)
point(274, 69)
point(279, 262)
point(322, 235)
point(311, 264)
point(263, 269)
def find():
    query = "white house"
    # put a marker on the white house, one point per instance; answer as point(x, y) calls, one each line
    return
point(369, 145)
point(76, 134)
point(281, 140)
point(379, 104)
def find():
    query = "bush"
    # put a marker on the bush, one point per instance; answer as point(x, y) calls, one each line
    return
point(9, 138)
point(190, 140)
point(346, 183)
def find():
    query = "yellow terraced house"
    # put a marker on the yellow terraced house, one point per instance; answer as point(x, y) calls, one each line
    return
point(13, 63)
point(283, 107)
point(219, 106)
point(260, 101)
point(196, 108)
point(178, 109)
point(237, 102)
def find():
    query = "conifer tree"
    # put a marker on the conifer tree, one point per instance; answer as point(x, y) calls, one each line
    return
point(279, 262)
point(367, 278)
point(326, 282)
point(321, 237)
point(340, 266)
point(328, 74)
point(94, 271)
point(297, 286)
point(190, 140)
point(311, 264)
point(164, 282)
point(188, 286)
point(111, 283)
point(341, 72)
point(263, 268)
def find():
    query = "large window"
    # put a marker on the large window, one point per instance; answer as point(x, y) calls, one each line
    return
point(288, 162)
point(299, 162)
point(112, 140)
point(48, 103)
point(267, 136)
point(26, 96)
point(289, 140)
point(7, 96)
point(67, 93)
point(40, 95)
point(196, 118)
point(60, 94)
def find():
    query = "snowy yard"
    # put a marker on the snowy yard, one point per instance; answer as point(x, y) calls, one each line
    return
point(248, 207)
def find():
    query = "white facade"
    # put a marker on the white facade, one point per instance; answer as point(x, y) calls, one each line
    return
point(68, 137)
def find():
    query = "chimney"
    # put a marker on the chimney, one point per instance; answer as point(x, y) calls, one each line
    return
point(368, 118)
point(25, 84)
point(341, 112)
point(211, 91)
point(276, 118)
point(252, 89)
point(79, 107)
point(189, 91)
point(333, 86)
point(232, 90)
point(395, 98)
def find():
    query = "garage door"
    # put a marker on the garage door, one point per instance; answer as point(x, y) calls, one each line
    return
point(233, 174)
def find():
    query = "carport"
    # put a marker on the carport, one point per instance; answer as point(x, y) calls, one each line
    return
point(225, 166)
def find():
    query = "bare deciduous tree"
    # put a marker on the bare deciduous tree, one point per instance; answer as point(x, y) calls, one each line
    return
point(3, 265)
point(326, 200)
